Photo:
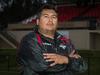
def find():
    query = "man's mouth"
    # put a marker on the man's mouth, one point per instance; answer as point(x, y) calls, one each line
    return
point(50, 24)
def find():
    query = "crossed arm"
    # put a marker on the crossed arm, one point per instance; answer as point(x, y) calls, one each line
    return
point(59, 59)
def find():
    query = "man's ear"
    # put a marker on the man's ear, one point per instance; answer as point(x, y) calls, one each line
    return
point(37, 21)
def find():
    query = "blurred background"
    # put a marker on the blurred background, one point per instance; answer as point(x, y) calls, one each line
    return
point(78, 19)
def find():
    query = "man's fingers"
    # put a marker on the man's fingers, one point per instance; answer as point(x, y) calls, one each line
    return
point(75, 56)
point(49, 55)
point(49, 60)
point(53, 64)
point(72, 52)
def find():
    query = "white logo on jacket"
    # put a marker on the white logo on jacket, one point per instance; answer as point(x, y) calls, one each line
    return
point(62, 46)
point(47, 44)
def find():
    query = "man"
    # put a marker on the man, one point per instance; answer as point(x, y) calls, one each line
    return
point(46, 52)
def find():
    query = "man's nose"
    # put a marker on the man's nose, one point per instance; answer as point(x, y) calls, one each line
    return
point(50, 19)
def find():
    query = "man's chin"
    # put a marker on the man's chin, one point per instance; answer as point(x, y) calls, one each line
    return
point(51, 30)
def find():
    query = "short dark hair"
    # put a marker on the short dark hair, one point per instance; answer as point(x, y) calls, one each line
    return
point(46, 6)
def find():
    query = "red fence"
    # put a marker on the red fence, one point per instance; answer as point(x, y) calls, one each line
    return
point(69, 12)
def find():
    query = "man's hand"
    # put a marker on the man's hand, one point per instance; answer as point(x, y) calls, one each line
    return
point(56, 58)
point(74, 55)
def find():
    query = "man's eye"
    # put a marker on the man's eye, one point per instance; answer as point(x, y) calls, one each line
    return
point(45, 16)
point(54, 17)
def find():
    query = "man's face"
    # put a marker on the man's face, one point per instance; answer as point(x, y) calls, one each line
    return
point(48, 20)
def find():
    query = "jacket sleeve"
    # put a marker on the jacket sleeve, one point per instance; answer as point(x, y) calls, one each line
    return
point(30, 56)
point(77, 65)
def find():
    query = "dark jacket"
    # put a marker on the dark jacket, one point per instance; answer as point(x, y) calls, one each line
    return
point(30, 57)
